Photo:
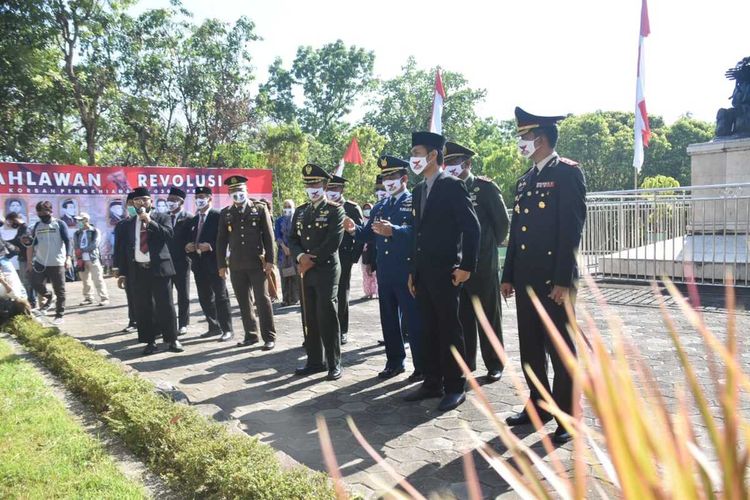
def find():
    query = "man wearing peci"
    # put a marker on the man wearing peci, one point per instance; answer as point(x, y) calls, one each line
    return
point(548, 217)
point(317, 231)
point(213, 296)
point(179, 218)
point(485, 282)
point(349, 251)
point(445, 255)
point(150, 270)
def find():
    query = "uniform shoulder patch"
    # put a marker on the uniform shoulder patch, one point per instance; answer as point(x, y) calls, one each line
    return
point(333, 203)
point(484, 178)
point(568, 162)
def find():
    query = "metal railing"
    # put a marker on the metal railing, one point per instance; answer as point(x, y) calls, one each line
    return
point(647, 234)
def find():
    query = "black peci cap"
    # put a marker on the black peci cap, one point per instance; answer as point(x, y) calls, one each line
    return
point(430, 140)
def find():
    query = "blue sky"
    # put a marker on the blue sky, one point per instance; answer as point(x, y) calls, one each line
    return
point(550, 57)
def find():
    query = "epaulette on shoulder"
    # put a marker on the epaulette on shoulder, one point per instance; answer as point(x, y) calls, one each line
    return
point(307, 203)
point(484, 178)
point(226, 209)
point(351, 203)
point(568, 162)
point(333, 203)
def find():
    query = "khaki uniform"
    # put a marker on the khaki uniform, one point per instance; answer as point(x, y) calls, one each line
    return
point(247, 233)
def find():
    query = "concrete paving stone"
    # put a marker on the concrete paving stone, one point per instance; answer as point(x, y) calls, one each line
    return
point(422, 443)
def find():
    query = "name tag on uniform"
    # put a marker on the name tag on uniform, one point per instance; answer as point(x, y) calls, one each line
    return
point(548, 184)
point(321, 218)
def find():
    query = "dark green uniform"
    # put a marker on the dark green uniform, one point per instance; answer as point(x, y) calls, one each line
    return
point(485, 281)
point(349, 253)
point(248, 233)
point(318, 230)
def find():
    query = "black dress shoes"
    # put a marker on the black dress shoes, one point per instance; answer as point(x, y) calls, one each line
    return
point(493, 376)
point(415, 377)
point(150, 348)
point(226, 336)
point(210, 333)
point(269, 345)
point(248, 341)
point(451, 401)
point(423, 393)
point(391, 372)
point(344, 338)
point(561, 436)
point(309, 370)
point(176, 346)
point(334, 374)
point(522, 418)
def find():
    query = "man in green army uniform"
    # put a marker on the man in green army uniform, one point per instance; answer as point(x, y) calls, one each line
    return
point(485, 282)
point(349, 251)
point(317, 231)
point(245, 228)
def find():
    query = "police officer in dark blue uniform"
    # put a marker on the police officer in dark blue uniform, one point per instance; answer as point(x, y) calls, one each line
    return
point(548, 217)
point(349, 251)
point(445, 254)
point(391, 228)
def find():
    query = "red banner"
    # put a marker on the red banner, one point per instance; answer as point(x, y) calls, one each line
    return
point(100, 191)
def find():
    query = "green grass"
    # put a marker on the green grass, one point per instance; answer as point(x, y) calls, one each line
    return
point(198, 457)
point(44, 453)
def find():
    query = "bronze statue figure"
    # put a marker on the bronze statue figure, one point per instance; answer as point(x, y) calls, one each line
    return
point(734, 122)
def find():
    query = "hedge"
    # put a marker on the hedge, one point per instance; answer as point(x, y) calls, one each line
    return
point(199, 458)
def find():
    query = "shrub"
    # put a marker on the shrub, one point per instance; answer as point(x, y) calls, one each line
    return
point(198, 457)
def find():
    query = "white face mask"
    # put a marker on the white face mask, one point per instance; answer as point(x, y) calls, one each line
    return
point(173, 205)
point(314, 193)
point(366, 212)
point(526, 147)
point(201, 202)
point(418, 164)
point(454, 170)
point(239, 196)
point(392, 186)
point(380, 194)
point(333, 195)
point(288, 212)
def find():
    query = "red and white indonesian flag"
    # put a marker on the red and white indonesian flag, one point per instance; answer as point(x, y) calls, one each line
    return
point(642, 129)
point(436, 121)
point(352, 155)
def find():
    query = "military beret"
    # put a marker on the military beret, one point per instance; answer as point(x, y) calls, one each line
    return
point(173, 191)
point(312, 173)
point(390, 164)
point(428, 139)
point(203, 190)
point(453, 150)
point(141, 192)
point(337, 180)
point(526, 122)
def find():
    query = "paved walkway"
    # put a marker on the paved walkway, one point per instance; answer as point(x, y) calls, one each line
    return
point(424, 445)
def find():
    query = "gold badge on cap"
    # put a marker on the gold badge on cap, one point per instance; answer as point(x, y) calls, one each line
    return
point(232, 180)
point(383, 162)
point(308, 169)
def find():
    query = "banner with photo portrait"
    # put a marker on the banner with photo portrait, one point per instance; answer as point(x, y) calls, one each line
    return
point(101, 191)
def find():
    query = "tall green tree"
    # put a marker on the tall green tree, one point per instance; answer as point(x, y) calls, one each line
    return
point(213, 81)
point(403, 104)
point(330, 78)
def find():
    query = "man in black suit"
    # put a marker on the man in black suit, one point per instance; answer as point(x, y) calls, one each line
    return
point(349, 251)
point(548, 217)
point(120, 261)
point(150, 269)
point(446, 247)
point(212, 289)
point(179, 219)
